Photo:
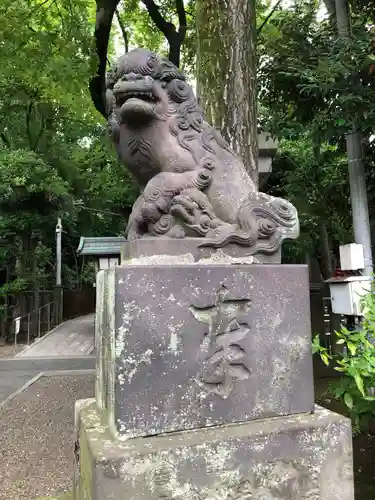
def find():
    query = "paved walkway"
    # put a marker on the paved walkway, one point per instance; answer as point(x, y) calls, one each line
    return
point(72, 338)
point(13, 381)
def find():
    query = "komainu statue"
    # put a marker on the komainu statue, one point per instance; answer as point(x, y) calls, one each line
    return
point(193, 183)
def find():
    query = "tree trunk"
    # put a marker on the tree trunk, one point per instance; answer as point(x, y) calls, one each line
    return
point(226, 73)
point(326, 253)
point(330, 6)
point(325, 247)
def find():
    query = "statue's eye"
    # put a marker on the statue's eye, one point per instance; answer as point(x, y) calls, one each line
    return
point(167, 78)
point(179, 90)
point(151, 63)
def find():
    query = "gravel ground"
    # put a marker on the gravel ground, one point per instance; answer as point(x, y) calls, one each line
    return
point(10, 350)
point(37, 436)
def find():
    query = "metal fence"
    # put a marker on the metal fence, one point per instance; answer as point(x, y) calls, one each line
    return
point(34, 324)
point(329, 327)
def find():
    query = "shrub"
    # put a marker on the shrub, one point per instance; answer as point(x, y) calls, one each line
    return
point(356, 362)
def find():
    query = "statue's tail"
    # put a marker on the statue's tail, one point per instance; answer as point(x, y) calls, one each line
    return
point(263, 222)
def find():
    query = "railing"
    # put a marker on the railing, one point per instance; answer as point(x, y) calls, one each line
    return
point(328, 327)
point(35, 323)
point(327, 323)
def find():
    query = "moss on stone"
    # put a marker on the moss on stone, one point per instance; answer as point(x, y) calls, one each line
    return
point(64, 496)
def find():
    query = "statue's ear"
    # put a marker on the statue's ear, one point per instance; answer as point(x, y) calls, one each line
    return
point(179, 90)
point(168, 71)
point(113, 128)
point(109, 101)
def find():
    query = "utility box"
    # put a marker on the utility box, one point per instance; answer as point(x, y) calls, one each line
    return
point(347, 293)
point(351, 257)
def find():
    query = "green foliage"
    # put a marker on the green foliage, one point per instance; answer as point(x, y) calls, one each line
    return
point(27, 180)
point(142, 32)
point(45, 34)
point(13, 288)
point(309, 77)
point(55, 159)
point(318, 186)
point(356, 362)
point(313, 87)
point(139, 26)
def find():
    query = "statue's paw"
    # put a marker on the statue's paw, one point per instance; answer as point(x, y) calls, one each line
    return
point(182, 201)
point(133, 235)
point(133, 230)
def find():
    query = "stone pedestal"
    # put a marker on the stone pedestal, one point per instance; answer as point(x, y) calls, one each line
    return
point(204, 385)
point(191, 346)
point(300, 457)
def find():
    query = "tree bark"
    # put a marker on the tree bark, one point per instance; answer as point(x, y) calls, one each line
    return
point(330, 6)
point(226, 73)
point(123, 31)
point(326, 253)
point(105, 10)
point(174, 37)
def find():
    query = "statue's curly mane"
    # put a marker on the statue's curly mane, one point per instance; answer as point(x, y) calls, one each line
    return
point(185, 117)
point(159, 68)
point(206, 193)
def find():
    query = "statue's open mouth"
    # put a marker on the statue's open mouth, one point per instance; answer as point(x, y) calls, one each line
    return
point(136, 104)
point(140, 95)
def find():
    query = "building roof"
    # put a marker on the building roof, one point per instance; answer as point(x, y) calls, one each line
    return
point(108, 245)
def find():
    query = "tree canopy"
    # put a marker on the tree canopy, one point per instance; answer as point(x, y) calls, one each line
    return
point(56, 160)
point(313, 87)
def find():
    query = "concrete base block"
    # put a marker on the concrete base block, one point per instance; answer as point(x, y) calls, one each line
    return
point(189, 250)
point(299, 457)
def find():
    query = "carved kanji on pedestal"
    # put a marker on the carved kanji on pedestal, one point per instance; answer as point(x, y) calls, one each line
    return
point(224, 361)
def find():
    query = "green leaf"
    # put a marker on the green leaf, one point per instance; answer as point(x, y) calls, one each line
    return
point(325, 358)
point(352, 348)
point(348, 400)
point(359, 382)
point(316, 347)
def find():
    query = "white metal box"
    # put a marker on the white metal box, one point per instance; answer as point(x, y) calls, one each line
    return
point(351, 257)
point(346, 294)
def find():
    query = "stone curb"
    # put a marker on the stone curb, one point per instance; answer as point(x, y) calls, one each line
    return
point(44, 364)
point(18, 391)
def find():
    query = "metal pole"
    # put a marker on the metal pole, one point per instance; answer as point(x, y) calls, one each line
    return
point(58, 251)
point(28, 329)
point(357, 179)
point(58, 289)
point(39, 311)
point(48, 316)
point(358, 196)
